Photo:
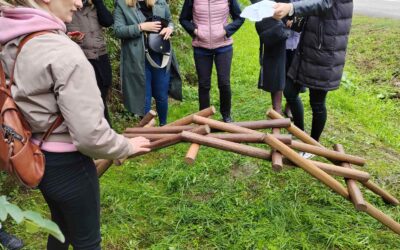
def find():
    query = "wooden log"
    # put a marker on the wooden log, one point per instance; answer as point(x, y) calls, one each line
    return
point(151, 123)
point(192, 153)
point(329, 154)
point(159, 130)
point(102, 166)
point(277, 164)
point(303, 136)
point(355, 194)
point(226, 145)
point(336, 170)
point(386, 196)
point(264, 124)
point(147, 118)
point(188, 119)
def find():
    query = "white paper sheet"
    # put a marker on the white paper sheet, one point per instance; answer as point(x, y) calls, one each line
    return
point(256, 12)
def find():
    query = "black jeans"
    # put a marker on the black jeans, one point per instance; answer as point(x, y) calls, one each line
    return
point(317, 102)
point(204, 65)
point(103, 71)
point(71, 189)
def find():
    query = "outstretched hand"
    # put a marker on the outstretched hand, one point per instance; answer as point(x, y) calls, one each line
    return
point(166, 32)
point(139, 144)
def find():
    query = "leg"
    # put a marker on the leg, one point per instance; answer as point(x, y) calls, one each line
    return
point(71, 184)
point(291, 93)
point(160, 86)
point(317, 102)
point(223, 64)
point(148, 75)
point(276, 98)
point(204, 66)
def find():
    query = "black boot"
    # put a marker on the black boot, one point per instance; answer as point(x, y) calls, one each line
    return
point(227, 118)
point(10, 242)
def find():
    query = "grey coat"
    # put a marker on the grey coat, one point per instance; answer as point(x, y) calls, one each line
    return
point(126, 20)
point(320, 57)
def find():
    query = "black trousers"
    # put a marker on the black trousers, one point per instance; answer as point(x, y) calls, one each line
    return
point(317, 102)
point(71, 189)
point(102, 68)
point(204, 65)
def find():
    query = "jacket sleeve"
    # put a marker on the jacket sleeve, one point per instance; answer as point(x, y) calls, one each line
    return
point(312, 7)
point(103, 14)
point(234, 10)
point(186, 17)
point(80, 103)
point(121, 28)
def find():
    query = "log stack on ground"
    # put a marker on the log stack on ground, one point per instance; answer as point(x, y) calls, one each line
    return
point(199, 129)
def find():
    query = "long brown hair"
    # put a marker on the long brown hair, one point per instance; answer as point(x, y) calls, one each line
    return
point(132, 3)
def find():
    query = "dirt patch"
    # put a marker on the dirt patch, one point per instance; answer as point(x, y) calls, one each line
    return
point(242, 171)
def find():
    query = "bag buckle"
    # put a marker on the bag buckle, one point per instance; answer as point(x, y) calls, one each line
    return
point(11, 134)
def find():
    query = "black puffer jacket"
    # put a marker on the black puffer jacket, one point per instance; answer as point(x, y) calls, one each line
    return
point(320, 58)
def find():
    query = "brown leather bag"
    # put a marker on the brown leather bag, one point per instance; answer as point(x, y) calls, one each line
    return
point(18, 155)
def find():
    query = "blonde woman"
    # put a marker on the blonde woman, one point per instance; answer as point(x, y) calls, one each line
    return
point(141, 80)
point(52, 76)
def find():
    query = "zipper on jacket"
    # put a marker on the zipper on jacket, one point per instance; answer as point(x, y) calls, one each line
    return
point(320, 35)
point(209, 21)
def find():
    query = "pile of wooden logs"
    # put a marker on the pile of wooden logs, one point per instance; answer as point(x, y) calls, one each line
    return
point(198, 129)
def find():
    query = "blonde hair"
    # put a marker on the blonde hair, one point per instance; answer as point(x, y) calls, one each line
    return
point(23, 3)
point(132, 3)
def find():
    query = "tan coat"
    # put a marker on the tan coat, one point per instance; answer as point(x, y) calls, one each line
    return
point(52, 75)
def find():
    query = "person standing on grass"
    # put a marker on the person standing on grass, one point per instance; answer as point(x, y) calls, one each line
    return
point(53, 78)
point(141, 80)
point(207, 22)
point(320, 57)
point(90, 20)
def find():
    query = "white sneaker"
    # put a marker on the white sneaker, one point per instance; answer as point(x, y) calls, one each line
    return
point(306, 155)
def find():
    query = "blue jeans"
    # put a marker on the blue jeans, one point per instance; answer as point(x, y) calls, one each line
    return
point(157, 85)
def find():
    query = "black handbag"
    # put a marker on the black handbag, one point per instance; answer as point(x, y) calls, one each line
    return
point(156, 43)
point(298, 23)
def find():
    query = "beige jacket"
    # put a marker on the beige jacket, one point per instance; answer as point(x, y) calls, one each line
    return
point(52, 74)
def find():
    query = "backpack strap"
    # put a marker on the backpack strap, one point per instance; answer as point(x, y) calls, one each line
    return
point(59, 120)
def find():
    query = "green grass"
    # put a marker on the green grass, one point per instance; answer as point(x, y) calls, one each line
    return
point(227, 201)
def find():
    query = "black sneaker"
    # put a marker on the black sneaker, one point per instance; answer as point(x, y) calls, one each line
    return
point(10, 242)
point(227, 119)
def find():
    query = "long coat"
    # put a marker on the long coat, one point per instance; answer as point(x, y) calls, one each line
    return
point(273, 35)
point(126, 20)
point(320, 57)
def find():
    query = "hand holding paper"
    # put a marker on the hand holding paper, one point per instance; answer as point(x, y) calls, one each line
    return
point(256, 12)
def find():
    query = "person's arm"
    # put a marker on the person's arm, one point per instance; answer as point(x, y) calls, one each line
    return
point(186, 17)
point(121, 28)
point(103, 14)
point(237, 21)
point(302, 8)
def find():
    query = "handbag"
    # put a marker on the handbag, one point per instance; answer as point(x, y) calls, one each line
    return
point(155, 42)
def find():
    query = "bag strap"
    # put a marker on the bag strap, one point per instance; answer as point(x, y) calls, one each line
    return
point(165, 60)
point(59, 120)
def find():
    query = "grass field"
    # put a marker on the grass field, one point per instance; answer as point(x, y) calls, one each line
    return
point(227, 201)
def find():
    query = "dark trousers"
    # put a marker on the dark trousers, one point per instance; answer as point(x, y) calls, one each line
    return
point(157, 86)
point(103, 71)
point(71, 189)
point(317, 102)
point(204, 65)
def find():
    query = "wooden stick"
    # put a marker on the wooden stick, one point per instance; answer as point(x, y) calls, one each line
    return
point(329, 154)
point(264, 124)
point(355, 193)
point(159, 130)
point(226, 145)
point(277, 164)
point(192, 153)
point(147, 118)
point(386, 196)
point(151, 123)
point(102, 166)
point(188, 119)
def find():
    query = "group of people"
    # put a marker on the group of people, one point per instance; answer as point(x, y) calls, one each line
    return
point(67, 71)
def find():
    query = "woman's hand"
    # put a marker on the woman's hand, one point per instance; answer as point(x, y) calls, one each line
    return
point(139, 144)
point(289, 23)
point(282, 10)
point(166, 32)
point(150, 26)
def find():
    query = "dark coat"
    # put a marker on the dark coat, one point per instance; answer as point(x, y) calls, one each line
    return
point(273, 35)
point(320, 57)
point(126, 22)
